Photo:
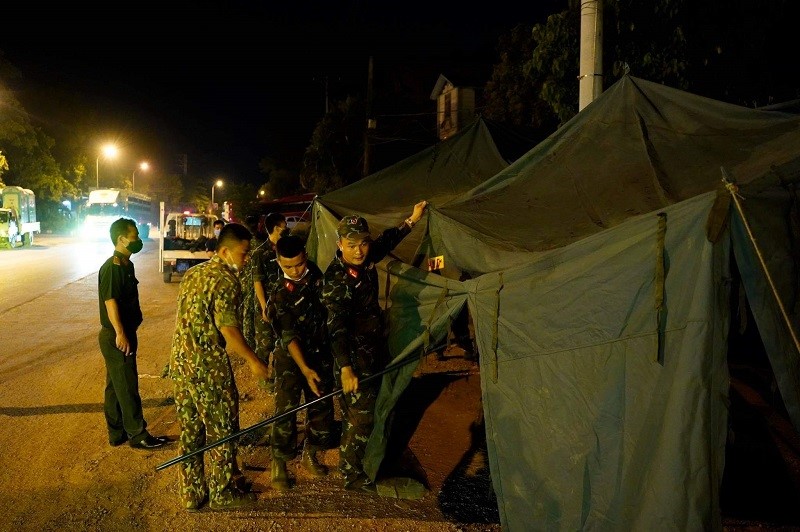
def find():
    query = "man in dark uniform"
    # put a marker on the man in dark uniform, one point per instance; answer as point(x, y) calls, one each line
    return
point(355, 327)
point(206, 398)
point(120, 316)
point(266, 274)
point(303, 363)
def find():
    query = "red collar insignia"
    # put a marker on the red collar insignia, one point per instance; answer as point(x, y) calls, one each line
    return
point(289, 285)
point(352, 272)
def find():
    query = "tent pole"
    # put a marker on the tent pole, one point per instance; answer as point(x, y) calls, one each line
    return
point(282, 415)
point(734, 190)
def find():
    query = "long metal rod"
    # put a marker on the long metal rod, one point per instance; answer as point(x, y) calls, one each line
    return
point(275, 418)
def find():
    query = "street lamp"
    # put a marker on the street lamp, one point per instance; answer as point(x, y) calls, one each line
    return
point(218, 183)
point(143, 166)
point(109, 151)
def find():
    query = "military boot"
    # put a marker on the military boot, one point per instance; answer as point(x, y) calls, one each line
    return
point(280, 478)
point(310, 462)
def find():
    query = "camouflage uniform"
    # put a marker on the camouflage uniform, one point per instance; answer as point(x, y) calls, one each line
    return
point(355, 327)
point(206, 397)
point(249, 304)
point(300, 315)
point(122, 404)
point(267, 271)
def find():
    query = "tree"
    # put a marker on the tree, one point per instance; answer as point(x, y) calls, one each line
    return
point(279, 181)
point(334, 157)
point(512, 95)
point(27, 152)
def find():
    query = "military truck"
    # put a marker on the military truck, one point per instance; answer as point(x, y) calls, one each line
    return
point(18, 216)
point(182, 241)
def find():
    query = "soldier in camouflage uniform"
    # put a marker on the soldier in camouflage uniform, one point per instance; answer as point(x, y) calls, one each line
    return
point(207, 401)
point(350, 293)
point(247, 307)
point(266, 274)
point(303, 362)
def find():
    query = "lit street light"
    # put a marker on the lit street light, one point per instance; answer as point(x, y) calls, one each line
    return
point(218, 183)
point(109, 152)
point(143, 166)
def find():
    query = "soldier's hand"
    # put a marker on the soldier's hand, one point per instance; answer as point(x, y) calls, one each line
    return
point(259, 369)
point(419, 208)
point(349, 380)
point(312, 378)
point(123, 344)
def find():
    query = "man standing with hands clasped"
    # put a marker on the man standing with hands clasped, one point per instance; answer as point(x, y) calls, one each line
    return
point(120, 316)
point(355, 326)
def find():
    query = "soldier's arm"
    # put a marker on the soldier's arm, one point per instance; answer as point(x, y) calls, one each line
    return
point(297, 355)
point(391, 237)
point(258, 286)
point(337, 299)
point(235, 343)
point(111, 279)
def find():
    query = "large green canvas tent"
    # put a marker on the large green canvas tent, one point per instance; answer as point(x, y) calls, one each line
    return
point(601, 265)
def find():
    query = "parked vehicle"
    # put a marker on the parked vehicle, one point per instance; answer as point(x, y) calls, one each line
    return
point(105, 205)
point(18, 221)
point(182, 242)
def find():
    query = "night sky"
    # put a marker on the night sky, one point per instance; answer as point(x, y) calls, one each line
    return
point(230, 84)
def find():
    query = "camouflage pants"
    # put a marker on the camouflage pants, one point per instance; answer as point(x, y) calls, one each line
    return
point(290, 384)
point(207, 411)
point(358, 411)
point(265, 340)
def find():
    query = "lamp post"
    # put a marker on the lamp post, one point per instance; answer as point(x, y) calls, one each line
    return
point(109, 151)
point(143, 166)
point(217, 183)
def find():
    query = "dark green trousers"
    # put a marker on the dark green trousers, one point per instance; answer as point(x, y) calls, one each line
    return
point(122, 404)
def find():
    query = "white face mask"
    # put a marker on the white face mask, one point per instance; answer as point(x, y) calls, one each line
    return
point(299, 278)
point(231, 265)
point(216, 233)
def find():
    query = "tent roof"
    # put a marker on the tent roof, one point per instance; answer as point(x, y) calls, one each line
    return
point(639, 147)
point(437, 173)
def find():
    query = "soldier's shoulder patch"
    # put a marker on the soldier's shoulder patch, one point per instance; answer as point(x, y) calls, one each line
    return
point(352, 272)
point(116, 261)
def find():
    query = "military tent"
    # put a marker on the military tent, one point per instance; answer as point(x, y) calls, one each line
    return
point(601, 265)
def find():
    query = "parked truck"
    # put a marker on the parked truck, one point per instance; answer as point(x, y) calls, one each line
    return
point(18, 216)
point(183, 236)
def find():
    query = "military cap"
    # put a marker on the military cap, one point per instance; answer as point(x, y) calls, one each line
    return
point(353, 226)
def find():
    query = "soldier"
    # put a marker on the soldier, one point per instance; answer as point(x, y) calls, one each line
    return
point(248, 306)
point(207, 329)
point(350, 293)
point(266, 274)
point(120, 316)
point(303, 363)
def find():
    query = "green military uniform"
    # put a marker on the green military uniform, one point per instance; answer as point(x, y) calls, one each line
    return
point(267, 271)
point(206, 397)
point(248, 307)
point(300, 315)
point(122, 405)
point(355, 327)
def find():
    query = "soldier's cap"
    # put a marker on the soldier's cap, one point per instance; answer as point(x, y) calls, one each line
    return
point(353, 226)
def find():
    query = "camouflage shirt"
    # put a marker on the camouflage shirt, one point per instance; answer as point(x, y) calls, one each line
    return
point(265, 267)
point(350, 294)
point(208, 299)
point(299, 313)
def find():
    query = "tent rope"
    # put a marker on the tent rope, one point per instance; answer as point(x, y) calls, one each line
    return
point(495, 328)
point(734, 191)
point(660, 286)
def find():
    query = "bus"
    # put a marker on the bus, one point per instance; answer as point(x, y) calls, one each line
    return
point(105, 205)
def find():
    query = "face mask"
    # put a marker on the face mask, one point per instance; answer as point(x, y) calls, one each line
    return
point(216, 233)
point(134, 246)
point(299, 278)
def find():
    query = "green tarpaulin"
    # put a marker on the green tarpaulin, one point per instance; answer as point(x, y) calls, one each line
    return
point(601, 306)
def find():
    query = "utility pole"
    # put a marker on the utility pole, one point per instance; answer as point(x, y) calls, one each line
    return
point(370, 122)
point(590, 78)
